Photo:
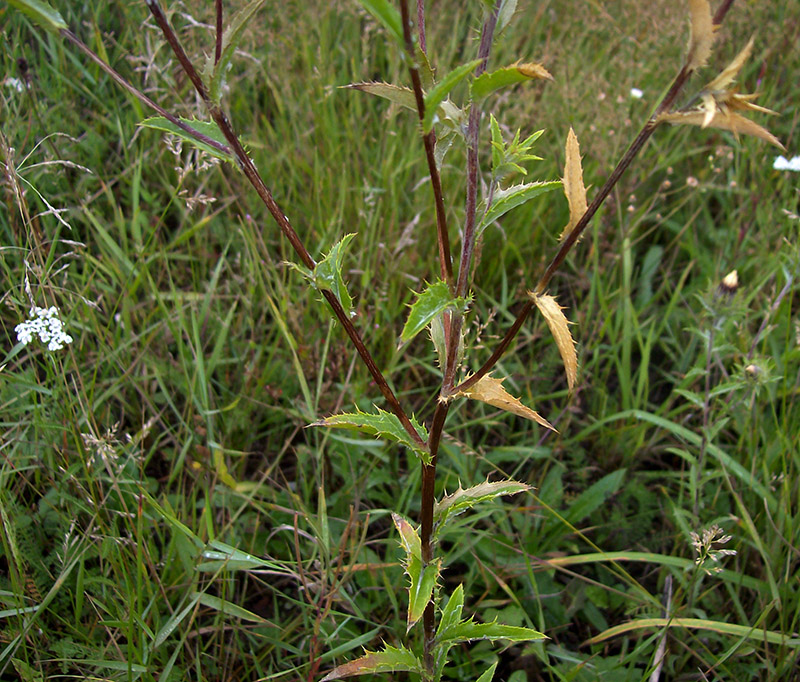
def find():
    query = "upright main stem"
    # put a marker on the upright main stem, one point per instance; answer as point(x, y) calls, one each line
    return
point(455, 319)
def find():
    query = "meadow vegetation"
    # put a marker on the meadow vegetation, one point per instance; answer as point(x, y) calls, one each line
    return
point(166, 514)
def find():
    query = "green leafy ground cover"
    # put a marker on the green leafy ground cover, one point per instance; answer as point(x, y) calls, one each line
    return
point(165, 513)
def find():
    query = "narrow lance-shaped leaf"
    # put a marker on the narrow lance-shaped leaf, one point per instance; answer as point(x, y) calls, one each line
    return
point(490, 390)
point(41, 13)
point(231, 39)
point(206, 128)
point(383, 424)
point(228, 608)
point(701, 35)
point(422, 576)
point(574, 188)
point(430, 303)
point(506, 199)
point(440, 91)
point(462, 500)
point(559, 328)
point(504, 14)
point(387, 14)
point(394, 93)
point(487, 83)
point(388, 660)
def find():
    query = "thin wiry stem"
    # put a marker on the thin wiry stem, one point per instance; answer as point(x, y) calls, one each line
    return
point(218, 41)
point(429, 141)
point(138, 94)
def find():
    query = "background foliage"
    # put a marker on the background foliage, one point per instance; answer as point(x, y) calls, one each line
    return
point(127, 553)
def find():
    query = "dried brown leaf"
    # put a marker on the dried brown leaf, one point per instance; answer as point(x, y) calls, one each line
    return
point(573, 183)
point(534, 70)
point(729, 120)
point(729, 73)
point(559, 328)
point(490, 390)
point(701, 36)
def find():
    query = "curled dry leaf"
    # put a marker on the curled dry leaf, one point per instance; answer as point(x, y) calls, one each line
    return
point(729, 120)
point(701, 36)
point(559, 328)
point(720, 102)
point(573, 184)
point(534, 70)
point(490, 390)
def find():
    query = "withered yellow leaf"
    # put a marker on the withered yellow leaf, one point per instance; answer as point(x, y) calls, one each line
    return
point(573, 183)
point(729, 120)
point(534, 70)
point(490, 390)
point(559, 328)
point(701, 35)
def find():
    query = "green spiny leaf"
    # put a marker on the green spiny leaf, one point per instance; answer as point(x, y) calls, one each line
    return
point(409, 538)
point(388, 660)
point(207, 128)
point(430, 303)
point(41, 13)
point(440, 91)
point(231, 39)
point(511, 197)
point(424, 67)
point(462, 500)
point(423, 576)
point(386, 13)
point(489, 674)
point(498, 144)
point(328, 273)
point(469, 630)
point(383, 424)
point(451, 613)
point(420, 591)
point(487, 83)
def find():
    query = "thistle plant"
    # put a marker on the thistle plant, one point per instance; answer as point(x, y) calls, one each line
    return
point(442, 306)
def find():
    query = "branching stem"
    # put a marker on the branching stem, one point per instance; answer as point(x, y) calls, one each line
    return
point(633, 150)
point(255, 179)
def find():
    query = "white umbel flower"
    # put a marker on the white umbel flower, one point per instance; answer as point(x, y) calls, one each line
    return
point(47, 325)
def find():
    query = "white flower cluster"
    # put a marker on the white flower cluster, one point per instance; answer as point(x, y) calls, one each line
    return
point(46, 324)
point(636, 93)
point(782, 163)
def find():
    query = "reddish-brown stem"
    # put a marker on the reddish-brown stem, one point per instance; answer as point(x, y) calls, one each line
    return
point(429, 141)
point(473, 134)
point(453, 337)
point(138, 94)
point(255, 179)
point(421, 25)
point(218, 41)
point(636, 146)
